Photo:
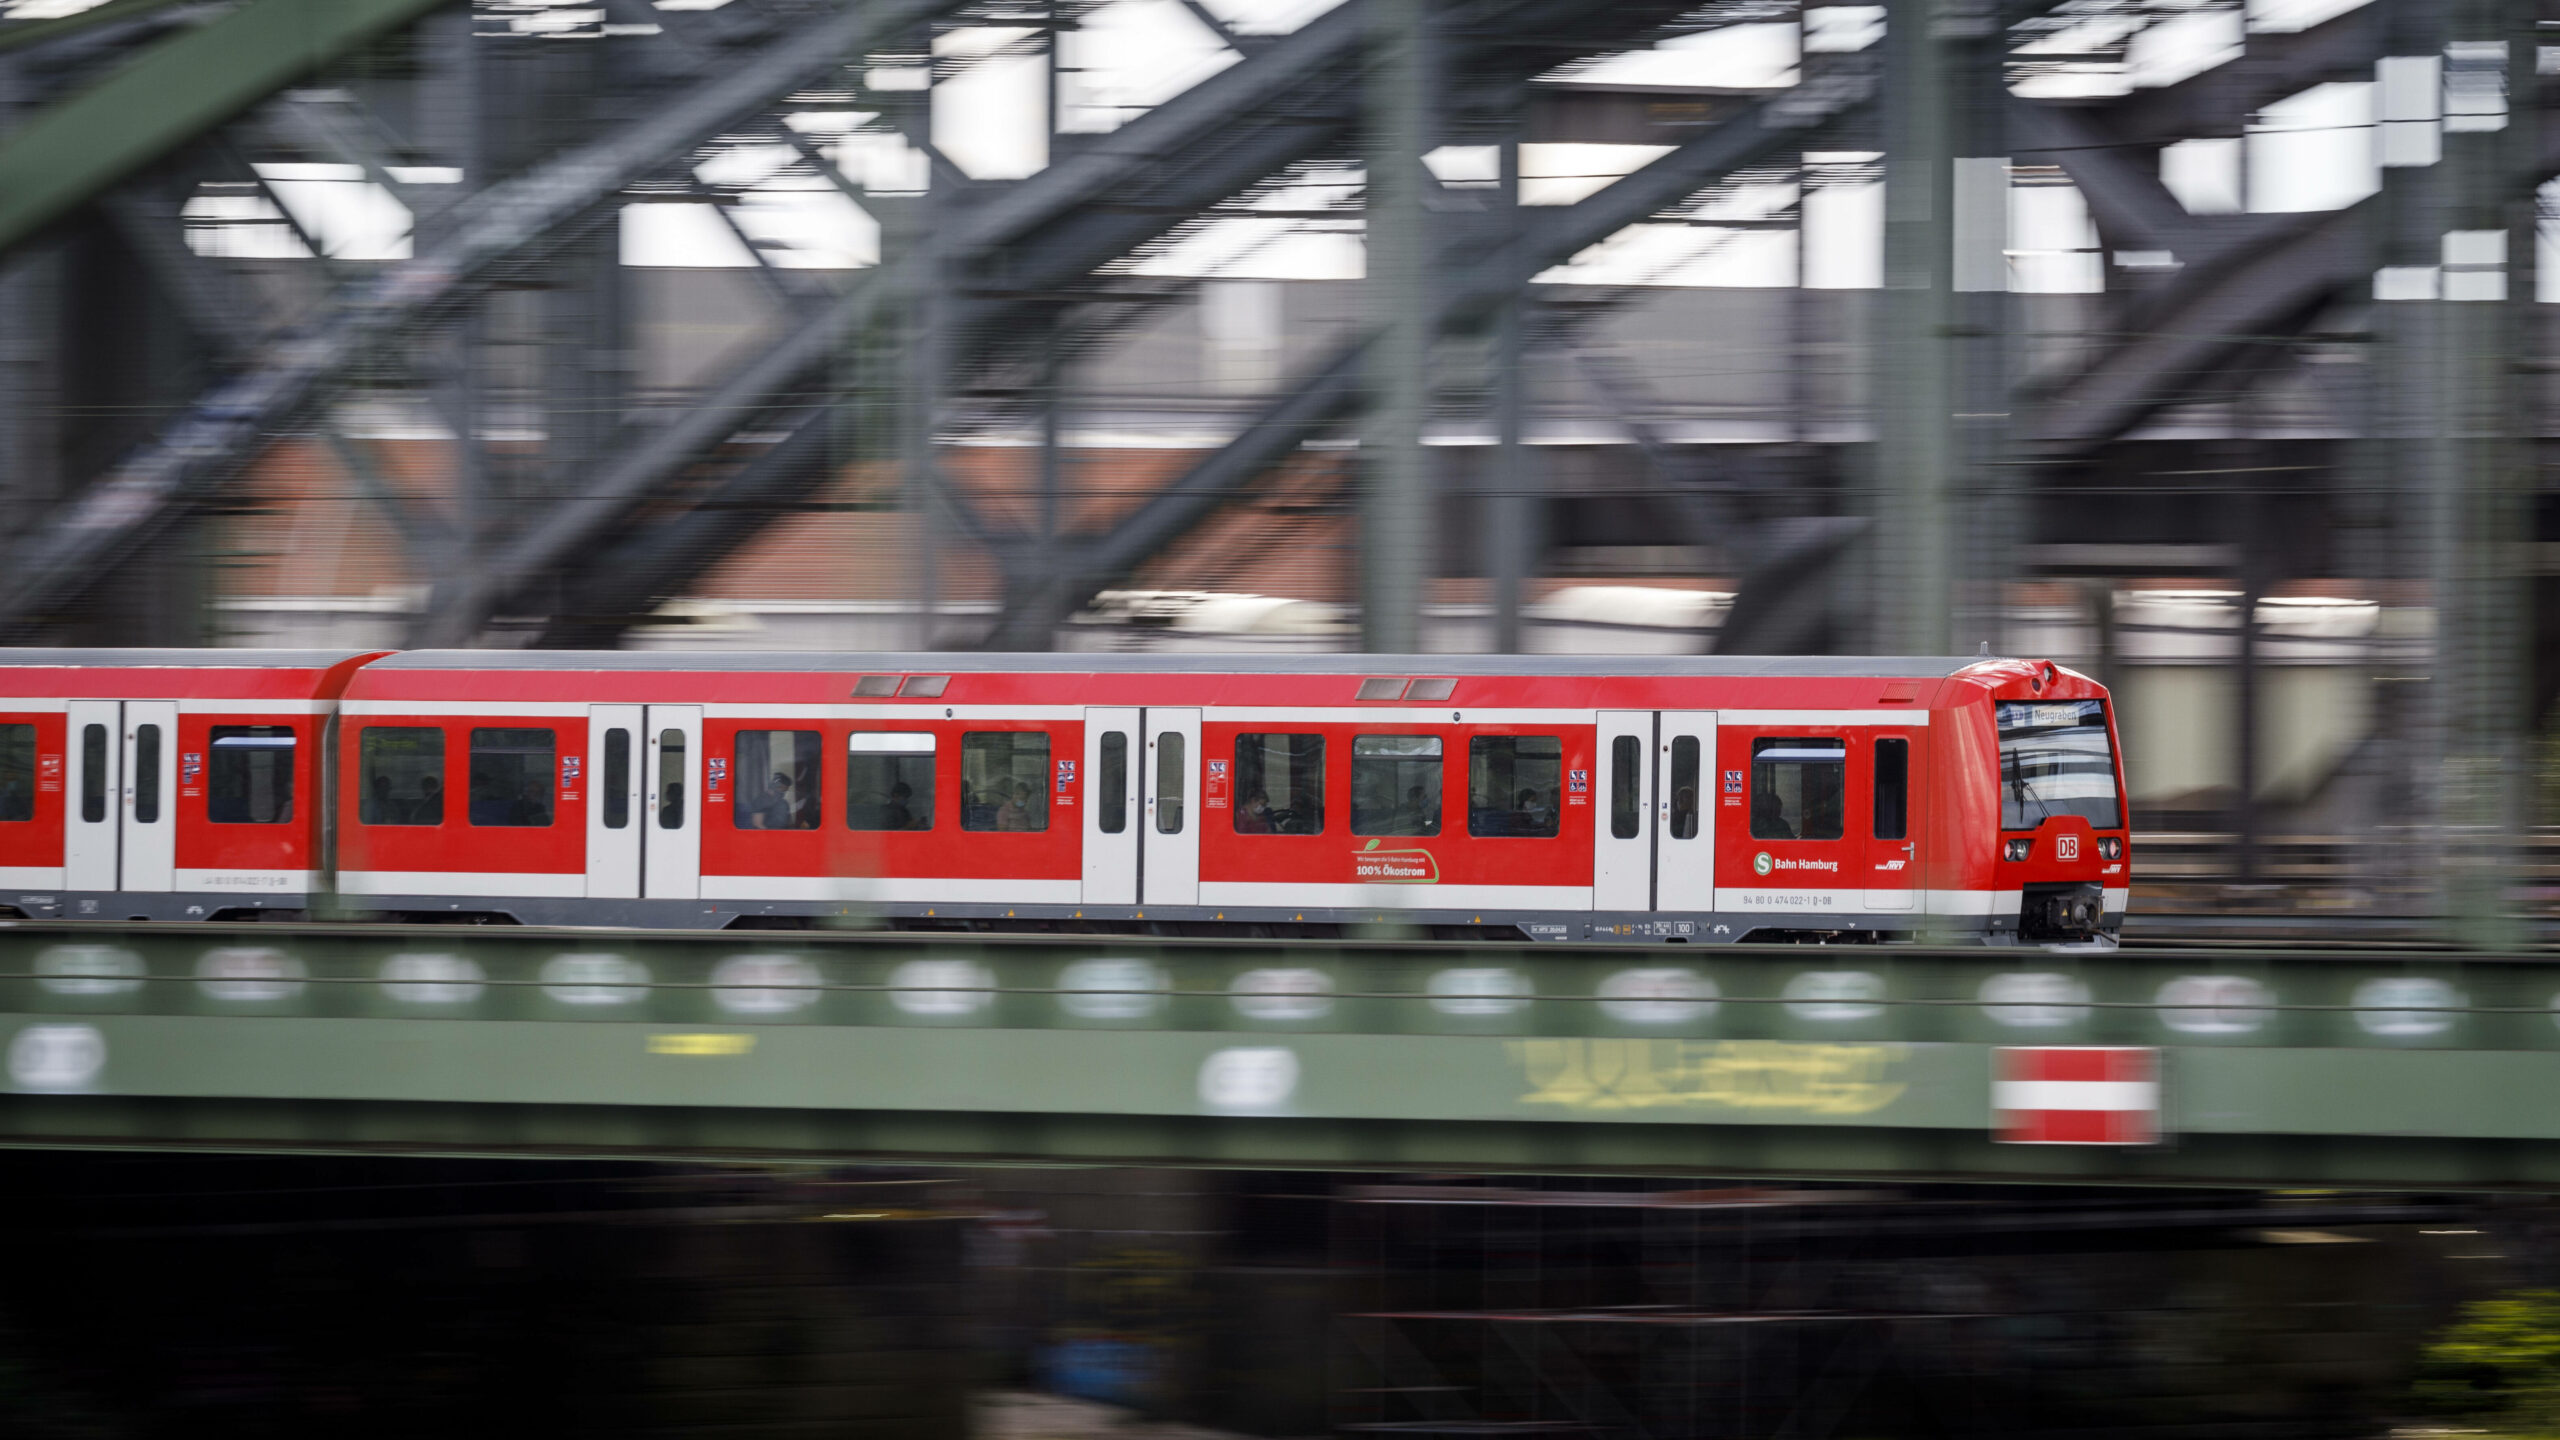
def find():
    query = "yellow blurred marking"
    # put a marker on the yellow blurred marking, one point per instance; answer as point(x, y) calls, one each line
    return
point(701, 1044)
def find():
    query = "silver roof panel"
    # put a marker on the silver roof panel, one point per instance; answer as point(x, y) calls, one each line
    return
point(204, 659)
point(1703, 666)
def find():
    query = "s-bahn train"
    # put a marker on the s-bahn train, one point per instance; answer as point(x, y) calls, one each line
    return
point(1653, 799)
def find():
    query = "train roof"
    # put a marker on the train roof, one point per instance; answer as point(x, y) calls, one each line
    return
point(201, 659)
point(971, 663)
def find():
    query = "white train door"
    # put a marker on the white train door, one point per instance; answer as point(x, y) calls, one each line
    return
point(1622, 823)
point(91, 814)
point(617, 808)
point(1169, 867)
point(671, 851)
point(1684, 866)
point(149, 801)
point(1111, 837)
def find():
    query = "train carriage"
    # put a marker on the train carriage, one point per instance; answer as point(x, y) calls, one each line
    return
point(165, 784)
point(1695, 800)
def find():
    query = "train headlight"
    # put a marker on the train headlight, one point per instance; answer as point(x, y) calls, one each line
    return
point(2110, 848)
point(2018, 849)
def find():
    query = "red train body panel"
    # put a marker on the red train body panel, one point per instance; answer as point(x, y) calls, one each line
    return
point(1641, 799)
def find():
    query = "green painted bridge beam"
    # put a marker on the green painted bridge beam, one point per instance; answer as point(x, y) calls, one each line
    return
point(171, 93)
point(2377, 1069)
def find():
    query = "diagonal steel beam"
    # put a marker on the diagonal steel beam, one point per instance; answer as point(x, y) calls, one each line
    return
point(58, 562)
point(2270, 67)
point(171, 93)
point(1050, 230)
point(463, 603)
point(1021, 243)
point(2251, 301)
point(1331, 391)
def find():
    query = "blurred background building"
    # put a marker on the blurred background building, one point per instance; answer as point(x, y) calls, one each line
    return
point(2197, 343)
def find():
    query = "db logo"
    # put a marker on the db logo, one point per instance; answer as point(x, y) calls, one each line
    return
point(1761, 864)
point(2066, 847)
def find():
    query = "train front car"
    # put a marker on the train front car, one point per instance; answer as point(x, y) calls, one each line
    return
point(2036, 805)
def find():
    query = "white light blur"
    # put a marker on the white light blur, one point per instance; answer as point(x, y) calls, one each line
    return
point(1282, 994)
point(765, 984)
point(1657, 996)
point(88, 970)
point(2034, 1000)
point(1108, 989)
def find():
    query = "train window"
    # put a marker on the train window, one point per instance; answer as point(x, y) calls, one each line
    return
point(1513, 784)
point(1893, 789)
point(93, 774)
point(402, 769)
point(1279, 784)
point(146, 775)
point(1626, 786)
point(888, 781)
point(1170, 771)
point(17, 772)
point(1110, 797)
point(671, 779)
point(1395, 784)
point(1684, 787)
point(511, 776)
point(1796, 788)
point(779, 773)
point(2055, 760)
point(1004, 780)
point(251, 775)
point(617, 779)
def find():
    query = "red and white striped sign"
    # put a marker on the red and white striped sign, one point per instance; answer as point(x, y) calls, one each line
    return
point(2076, 1095)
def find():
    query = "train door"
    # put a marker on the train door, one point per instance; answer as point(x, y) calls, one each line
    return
point(1110, 841)
point(1684, 875)
point(671, 851)
point(1893, 832)
point(616, 807)
point(149, 798)
point(1622, 859)
point(1169, 850)
point(91, 818)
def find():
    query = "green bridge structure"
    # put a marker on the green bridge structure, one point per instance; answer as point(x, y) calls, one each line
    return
point(2290, 1068)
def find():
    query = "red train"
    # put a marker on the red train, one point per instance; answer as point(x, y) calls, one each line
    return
point(1642, 799)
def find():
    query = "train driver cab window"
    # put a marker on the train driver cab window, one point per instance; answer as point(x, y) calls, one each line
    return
point(511, 776)
point(1004, 780)
point(1796, 788)
point(2055, 760)
point(250, 779)
point(1515, 785)
point(888, 781)
point(778, 778)
point(1395, 784)
point(17, 772)
point(1279, 786)
point(400, 775)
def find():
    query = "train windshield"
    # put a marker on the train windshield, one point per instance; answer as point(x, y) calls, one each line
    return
point(2055, 760)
